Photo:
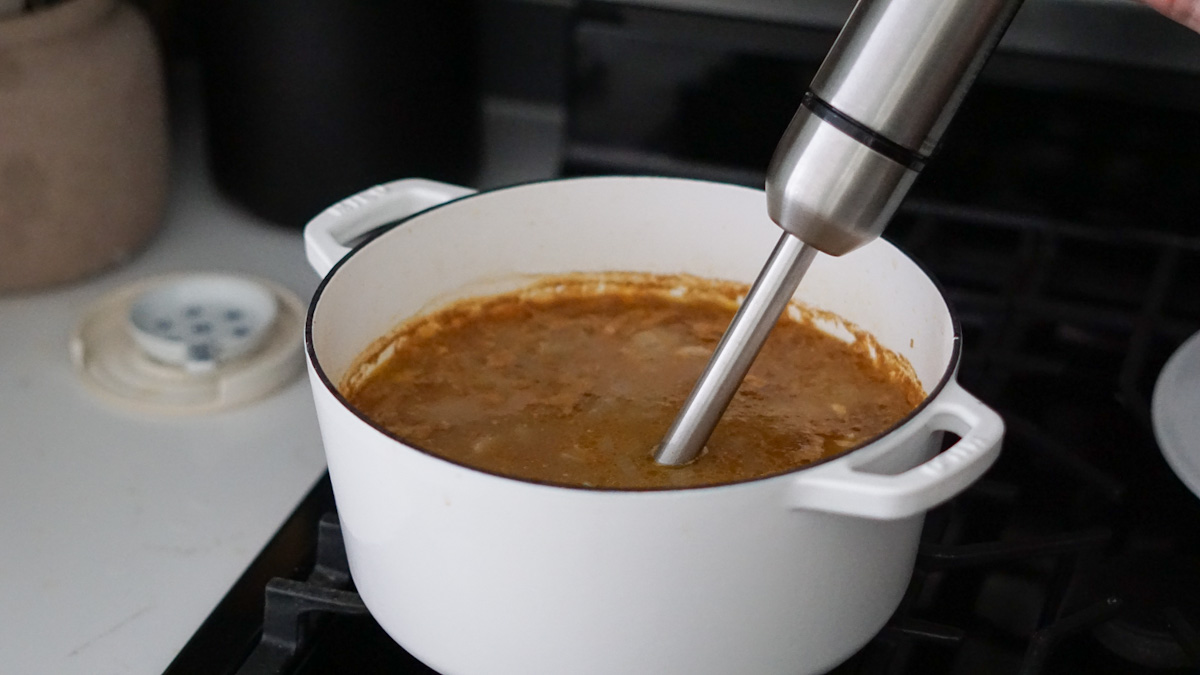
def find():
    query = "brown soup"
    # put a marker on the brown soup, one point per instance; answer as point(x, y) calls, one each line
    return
point(574, 380)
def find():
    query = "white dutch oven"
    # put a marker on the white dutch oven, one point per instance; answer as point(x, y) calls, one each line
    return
point(477, 574)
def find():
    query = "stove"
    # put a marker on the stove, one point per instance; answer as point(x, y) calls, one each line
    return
point(1076, 552)
point(1061, 219)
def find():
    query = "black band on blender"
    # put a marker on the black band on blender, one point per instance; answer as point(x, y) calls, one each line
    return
point(863, 134)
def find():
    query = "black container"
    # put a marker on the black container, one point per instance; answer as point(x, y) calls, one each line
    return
point(308, 102)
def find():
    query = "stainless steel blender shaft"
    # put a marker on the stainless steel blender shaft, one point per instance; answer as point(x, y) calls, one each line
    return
point(736, 351)
point(875, 111)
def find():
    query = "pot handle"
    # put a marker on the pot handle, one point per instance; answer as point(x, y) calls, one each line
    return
point(840, 487)
point(326, 236)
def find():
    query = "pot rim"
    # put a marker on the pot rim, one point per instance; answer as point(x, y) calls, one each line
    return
point(947, 375)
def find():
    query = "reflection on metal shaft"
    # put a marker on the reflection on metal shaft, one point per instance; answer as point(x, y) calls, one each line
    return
point(736, 351)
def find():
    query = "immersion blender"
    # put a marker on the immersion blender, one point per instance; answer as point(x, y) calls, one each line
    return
point(869, 121)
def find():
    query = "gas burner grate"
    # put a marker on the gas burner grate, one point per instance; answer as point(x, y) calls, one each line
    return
point(1040, 297)
point(294, 610)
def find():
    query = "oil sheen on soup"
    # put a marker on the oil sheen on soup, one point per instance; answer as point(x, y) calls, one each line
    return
point(574, 380)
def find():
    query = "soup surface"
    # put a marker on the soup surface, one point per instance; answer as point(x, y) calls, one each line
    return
point(574, 380)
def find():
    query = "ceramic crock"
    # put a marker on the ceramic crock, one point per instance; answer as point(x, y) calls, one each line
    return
point(475, 573)
point(83, 140)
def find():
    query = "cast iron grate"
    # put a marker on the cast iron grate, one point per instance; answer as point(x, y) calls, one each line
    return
point(1066, 327)
point(293, 610)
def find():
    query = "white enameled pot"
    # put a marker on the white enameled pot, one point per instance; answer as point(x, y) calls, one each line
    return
point(478, 574)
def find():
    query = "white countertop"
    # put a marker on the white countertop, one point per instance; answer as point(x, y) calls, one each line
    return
point(121, 530)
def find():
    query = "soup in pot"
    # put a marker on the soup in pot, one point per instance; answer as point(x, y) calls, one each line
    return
point(574, 380)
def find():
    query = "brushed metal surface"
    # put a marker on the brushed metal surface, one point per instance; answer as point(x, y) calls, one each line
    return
point(901, 67)
point(829, 190)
